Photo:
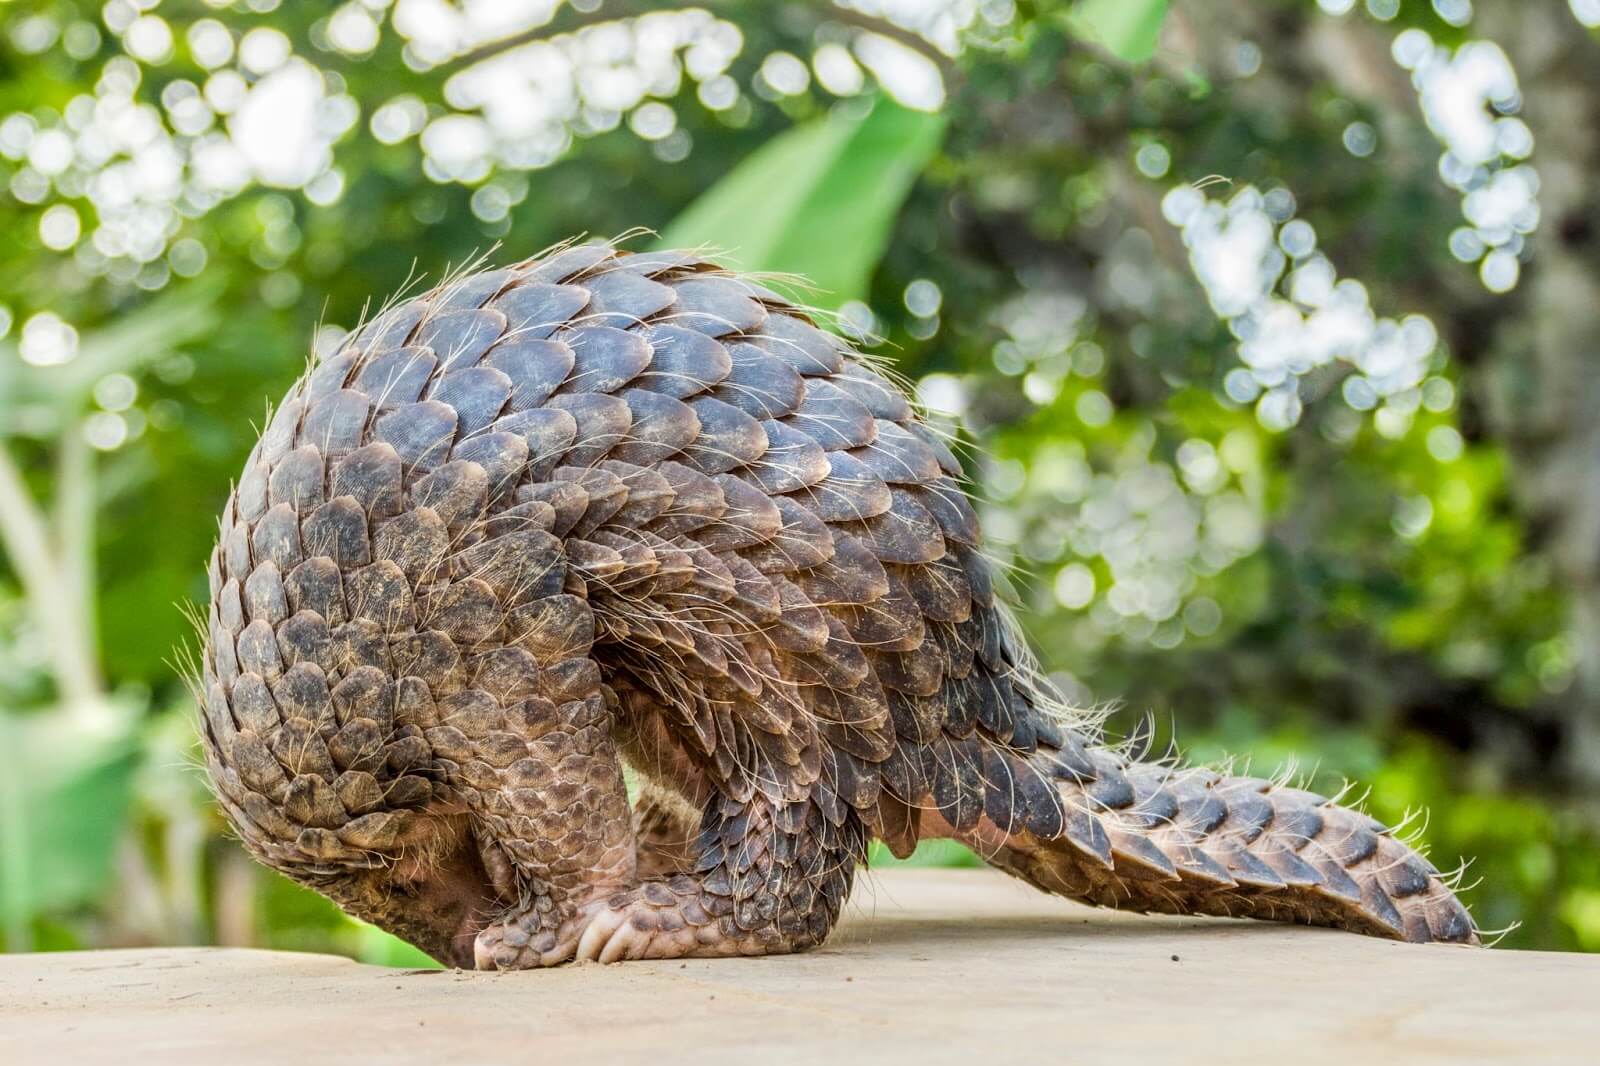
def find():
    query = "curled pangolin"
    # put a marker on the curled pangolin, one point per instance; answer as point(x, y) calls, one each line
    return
point(602, 508)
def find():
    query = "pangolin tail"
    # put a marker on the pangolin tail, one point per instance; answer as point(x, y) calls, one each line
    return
point(1090, 824)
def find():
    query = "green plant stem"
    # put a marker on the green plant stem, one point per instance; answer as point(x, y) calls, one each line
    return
point(51, 597)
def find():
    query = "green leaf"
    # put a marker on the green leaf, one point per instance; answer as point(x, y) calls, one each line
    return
point(128, 342)
point(63, 803)
point(818, 200)
point(1128, 28)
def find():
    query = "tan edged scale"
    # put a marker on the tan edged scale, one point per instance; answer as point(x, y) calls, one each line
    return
point(600, 509)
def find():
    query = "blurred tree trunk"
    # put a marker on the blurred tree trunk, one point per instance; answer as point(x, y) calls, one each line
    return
point(1540, 377)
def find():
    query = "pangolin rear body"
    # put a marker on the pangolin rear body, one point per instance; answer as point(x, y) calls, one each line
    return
point(600, 507)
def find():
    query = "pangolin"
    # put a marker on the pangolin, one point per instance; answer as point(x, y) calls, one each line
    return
point(602, 509)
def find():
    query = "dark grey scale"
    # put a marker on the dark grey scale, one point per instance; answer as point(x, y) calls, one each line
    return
point(1154, 806)
point(1298, 824)
point(802, 627)
point(962, 702)
point(603, 423)
point(396, 377)
point(605, 495)
point(372, 475)
point(250, 499)
point(649, 494)
point(297, 480)
point(605, 358)
point(792, 460)
point(898, 457)
point(478, 394)
point(803, 541)
point(459, 338)
point(380, 592)
point(415, 541)
point(936, 442)
point(883, 399)
point(905, 533)
point(662, 427)
point(569, 262)
point(338, 530)
point(892, 622)
point(1022, 735)
point(257, 650)
point(729, 438)
point(623, 299)
point(1290, 868)
point(305, 638)
point(917, 720)
point(473, 291)
point(278, 437)
point(276, 537)
point(918, 673)
point(422, 434)
point(990, 640)
point(1407, 876)
point(1378, 907)
point(1081, 828)
point(457, 492)
point(503, 457)
point(653, 264)
point(534, 311)
point(758, 384)
point(941, 591)
point(852, 574)
point(833, 418)
point(716, 305)
point(697, 500)
point(1004, 799)
point(316, 585)
point(855, 782)
point(950, 508)
point(390, 329)
point(566, 500)
point(1249, 812)
point(976, 567)
point(253, 706)
point(335, 423)
point(851, 491)
point(263, 595)
point(683, 363)
point(804, 347)
point(993, 691)
point(549, 434)
point(536, 368)
point(749, 517)
point(1111, 790)
point(1138, 856)
point(954, 771)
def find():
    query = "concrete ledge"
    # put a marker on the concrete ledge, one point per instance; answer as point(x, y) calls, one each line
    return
point(932, 966)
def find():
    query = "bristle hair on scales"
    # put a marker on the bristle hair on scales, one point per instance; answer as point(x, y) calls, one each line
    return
point(545, 510)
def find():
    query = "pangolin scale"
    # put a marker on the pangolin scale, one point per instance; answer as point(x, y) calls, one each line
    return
point(603, 508)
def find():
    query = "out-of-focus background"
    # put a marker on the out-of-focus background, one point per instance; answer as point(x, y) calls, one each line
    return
point(1274, 326)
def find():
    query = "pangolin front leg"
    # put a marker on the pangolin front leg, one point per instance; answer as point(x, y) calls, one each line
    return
point(564, 832)
point(768, 880)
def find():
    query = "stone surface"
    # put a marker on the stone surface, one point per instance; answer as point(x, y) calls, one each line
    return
point(931, 967)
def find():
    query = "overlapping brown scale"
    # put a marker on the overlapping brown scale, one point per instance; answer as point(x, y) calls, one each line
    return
point(759, 384)
point(459, 338)
point(683, 363)
point(716, 305)
point(623, 299)
point(535, 310)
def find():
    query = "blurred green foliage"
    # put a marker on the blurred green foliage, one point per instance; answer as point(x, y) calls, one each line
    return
point(1370, 597)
